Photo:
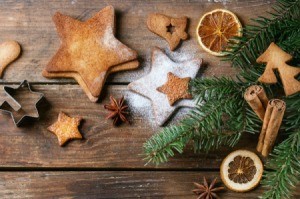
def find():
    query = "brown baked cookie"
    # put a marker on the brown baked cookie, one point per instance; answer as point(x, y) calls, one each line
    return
point(89, 51)
point(176, 88)
point(171, 29)
point(66, 128)
point(276, 59)
point(126, 66)
point(9, 51)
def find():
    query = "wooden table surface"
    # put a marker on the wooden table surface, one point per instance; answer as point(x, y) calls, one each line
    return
point(107, 163)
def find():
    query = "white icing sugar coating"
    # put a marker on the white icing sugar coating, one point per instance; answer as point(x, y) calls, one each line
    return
point(147, 85)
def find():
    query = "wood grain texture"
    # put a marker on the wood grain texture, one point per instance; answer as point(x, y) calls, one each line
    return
point(107, 184)
point(103, 146)
point(30, 23)
point(107, 163)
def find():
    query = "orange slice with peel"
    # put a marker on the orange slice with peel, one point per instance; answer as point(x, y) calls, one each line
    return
point(215, 28)
point(241, 171)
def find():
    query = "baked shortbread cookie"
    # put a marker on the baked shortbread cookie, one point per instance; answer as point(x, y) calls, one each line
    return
point(66, 128)
point(89, 51)
point(171, 29)
point(9, 51)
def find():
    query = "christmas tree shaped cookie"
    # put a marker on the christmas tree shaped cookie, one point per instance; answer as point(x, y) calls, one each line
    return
point(276, 60)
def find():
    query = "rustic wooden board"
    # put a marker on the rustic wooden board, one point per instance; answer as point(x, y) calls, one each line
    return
point(30, 23)
point(108, 184)
point(104, 146)
point(107, 163)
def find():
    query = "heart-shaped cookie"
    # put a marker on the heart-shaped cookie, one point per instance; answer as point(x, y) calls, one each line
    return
point(9, 51)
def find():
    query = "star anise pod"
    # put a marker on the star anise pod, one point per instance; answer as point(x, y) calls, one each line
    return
point(117, 110)
point(206, 191)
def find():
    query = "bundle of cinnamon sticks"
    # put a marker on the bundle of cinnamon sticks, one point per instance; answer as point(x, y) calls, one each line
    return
point(270, 112)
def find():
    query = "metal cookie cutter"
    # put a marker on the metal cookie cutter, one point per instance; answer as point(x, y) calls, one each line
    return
point(18, 112)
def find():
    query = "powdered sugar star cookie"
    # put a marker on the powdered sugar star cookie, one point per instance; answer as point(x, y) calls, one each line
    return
point(147, 85)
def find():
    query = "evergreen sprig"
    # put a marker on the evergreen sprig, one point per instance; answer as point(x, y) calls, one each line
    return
point(285, 168)
point(221, 115)
point(292, 119)
point(244, 50)
point(219, 119)
point(161, 146)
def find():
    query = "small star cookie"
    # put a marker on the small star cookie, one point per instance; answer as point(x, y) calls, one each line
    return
point(176, 88)
point(66, 128)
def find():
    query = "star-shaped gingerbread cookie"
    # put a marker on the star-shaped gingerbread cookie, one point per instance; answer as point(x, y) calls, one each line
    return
point(176, 88)
point(66, 128)
point(147, 85)
point(89, 51)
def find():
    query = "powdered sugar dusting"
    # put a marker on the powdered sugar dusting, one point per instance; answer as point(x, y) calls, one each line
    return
point(148, 84)
point(187, 50)
point(140, 107)
point(108, 40)
point(184, 54)
point(73, 2)
point(137, 102)
point(220, 1)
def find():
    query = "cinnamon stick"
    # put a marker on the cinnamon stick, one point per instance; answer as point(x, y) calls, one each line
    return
point(257, 99)
point(271, 124)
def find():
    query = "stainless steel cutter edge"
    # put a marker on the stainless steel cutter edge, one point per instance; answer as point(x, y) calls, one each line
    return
point(8, 90)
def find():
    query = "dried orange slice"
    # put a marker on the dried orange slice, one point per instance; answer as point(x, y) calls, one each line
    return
point(241, 170)
point(215, 28)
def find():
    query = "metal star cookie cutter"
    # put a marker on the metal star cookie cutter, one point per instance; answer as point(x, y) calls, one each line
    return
point(8, 108)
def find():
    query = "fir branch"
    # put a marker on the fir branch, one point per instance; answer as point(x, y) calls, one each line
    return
point(215, 90)
point(243, 51)
point(285, 165)
point(215, 141)
point(292, 118)
point(209, 88)
point(219, 119)
point(162, 145)
point(207, 124)
point(222, 115)
point(289, 41)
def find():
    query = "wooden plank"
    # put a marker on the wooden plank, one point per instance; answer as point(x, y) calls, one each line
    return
point(103, 146)
point(107, 184)
point(29, 22)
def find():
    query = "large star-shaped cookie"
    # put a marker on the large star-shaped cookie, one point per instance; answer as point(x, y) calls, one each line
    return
point(66, 128)
point(89, 51)
point(147, 86)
